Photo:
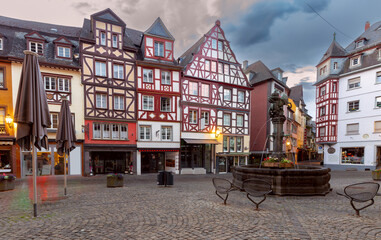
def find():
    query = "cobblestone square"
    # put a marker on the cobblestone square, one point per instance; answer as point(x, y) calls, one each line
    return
point(187, 210)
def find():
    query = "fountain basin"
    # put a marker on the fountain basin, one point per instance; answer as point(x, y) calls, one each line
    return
point(302, 181)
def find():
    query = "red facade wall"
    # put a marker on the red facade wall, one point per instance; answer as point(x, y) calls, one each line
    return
point(131, 134)
point(258, 116)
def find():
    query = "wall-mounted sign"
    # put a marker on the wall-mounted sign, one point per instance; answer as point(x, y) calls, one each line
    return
point(320, 149)
point(331, 150)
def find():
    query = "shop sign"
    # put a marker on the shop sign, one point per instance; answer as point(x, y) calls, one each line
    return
point(331, 150)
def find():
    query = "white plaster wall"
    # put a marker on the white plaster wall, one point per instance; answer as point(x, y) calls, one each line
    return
point(156, 141)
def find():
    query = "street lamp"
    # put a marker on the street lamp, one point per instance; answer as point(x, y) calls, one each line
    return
point(218, 132)
point(9, 121)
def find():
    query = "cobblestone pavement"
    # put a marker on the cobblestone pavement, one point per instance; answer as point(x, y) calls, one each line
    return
point(187, 210)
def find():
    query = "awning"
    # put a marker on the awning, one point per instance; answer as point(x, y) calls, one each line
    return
point(157, 150)
point(201, 141)
point(233, 154)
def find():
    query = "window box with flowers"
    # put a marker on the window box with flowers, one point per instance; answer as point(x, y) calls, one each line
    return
point(274, 162)
point(376, 174)
point(7, 182)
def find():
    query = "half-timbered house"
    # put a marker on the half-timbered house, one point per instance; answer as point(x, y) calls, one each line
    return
point(158, 95)
point(108, 54)
point(215, 106)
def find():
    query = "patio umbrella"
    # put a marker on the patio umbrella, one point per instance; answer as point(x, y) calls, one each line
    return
point(65, 137)
point(32, 114)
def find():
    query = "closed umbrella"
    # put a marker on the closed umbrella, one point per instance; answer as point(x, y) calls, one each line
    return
point(32, 114)
point(65, 137)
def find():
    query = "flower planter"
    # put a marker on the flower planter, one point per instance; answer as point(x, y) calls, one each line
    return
point(376, 175)
point(3, 185)
point(286, 165)
point(115, 180)
point(270, 164)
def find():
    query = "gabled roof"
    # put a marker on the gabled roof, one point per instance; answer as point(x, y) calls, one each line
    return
point(35, 35)
point(159, 29)
point(187, 56)
point(372, 36)
point(63, 40)
point(296, 94)
point(109, 16)
point(259, 72)
point(334, 50)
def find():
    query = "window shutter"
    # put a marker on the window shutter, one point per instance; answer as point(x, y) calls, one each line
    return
point(352, 128)
point(377, 126)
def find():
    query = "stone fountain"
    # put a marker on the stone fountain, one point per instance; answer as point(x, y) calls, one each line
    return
point(301, 180)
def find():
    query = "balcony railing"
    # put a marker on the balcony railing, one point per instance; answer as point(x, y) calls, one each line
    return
point(2, 129)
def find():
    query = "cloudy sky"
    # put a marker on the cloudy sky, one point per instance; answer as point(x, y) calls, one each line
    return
point(282, 33)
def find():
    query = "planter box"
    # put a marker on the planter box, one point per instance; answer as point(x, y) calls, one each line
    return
point(286, 165)
point(7, 184)
point(115, 181)
point(376, 175)
point(3, 185)
point(271, 164)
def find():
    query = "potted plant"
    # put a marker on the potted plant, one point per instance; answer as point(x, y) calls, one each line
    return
point(115, 180)
point(7, 182)
point(271, 162)
point(285, 163)
point(376, 174)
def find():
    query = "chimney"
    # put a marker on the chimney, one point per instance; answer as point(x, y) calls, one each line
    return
point(367, 25)
point(245, 64)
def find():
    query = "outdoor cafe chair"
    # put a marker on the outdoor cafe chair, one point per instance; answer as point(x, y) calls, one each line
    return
point(256, 188)
point(361, 193)
point(224, 187)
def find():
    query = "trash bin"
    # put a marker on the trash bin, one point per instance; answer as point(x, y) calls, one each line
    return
point(165, 178)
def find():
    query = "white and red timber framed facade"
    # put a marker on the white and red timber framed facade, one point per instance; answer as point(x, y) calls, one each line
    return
point(215, 107)
point(108, 57)
point(158, 96)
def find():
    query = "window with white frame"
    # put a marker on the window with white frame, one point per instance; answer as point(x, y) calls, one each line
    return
point(214, 66)
point(220, 68)
point(145, 133)
point(148, 75)
point(378, 77)
point(360, 43)
point(50, 83)
point(214, 43)
point(1, 43)
point(193, 116)
point(227, 94)
point(355, 61)
point(353, 106)
point(239, 144)
point(334, 87)
point(166, 77)
point(322, 91)
point(63, 52)
point(193, 88)
point(231, 144)
point(227, 118)
point(96, 130)
point(115, 131)
point(333, 130)
point(63, 84)
point(148, 103)
point(378, 102)
point(114, 40)
point(36, 47)
point(106, 131)
point(103, 38)
point(220, 45)
point(321, 131)
point(118, 71)
point(226, 69)
point(353, 129)
point(54, 120)
point(353, 83)
point(377, 126)
point(118, 102)
point(159, 49)
point(123, 132)
point(101, 100)
point(207, 65)
point(241, 96)
point(333, 109)
point(165, 104)
point(205, 117)
point(100, 69)
point(239, 120)
point(166, 133)
point(2, 80)
point(225, 144)
point(205, 90)
point(322, 111)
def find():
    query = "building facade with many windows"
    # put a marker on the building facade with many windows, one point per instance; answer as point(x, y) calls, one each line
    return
point(349, 102)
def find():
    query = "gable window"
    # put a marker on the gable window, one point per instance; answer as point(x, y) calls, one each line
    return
point(159, 49)
point(115, 131)
point(353, 83)
point(353, 106)
point(106, 131)
point(165, 104)
point(63, 52)
point(2, 80)
point(239, 120)
point(377, 126)
point(207, 65)
point(36, 47)
point(321, 131)
point(214, 66)
point(193, 116)
point(335, 65)
point(322, 111)
point(148, 103)
point(115, 41)
point(220, 68)
point(100, 69)
point(227, 95)
point(145, 133)
point(227, 118)
point(166, 78)
point(360, 43)
point(166, 133)
point(205, 118)
point(118, 103)
point(101, 100)
point(148, 75)
point(193, 88)
point(378, 77)
point(1, 43)
point(378, 102)
point(241, 96)
point(103, 38)
point(214, 43)
point(204, 90)
point(355, 61)
point(333, 108)
point(96, 130)
point(353, 129)
point(63, 84)
point(54, 120)
point(50, 83)
point(220, 45)
point(118, 71)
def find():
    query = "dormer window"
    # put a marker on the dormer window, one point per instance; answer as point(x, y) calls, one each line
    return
point(159, 49)
point(335, 65)
point(63, 52)
point(103, 38)
point(355, 61)
point(1, 43)
point(360, 43)
point(36, 47)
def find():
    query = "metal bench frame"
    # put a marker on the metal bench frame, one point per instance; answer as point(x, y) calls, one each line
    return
point(261, 189)
point(222, 189)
